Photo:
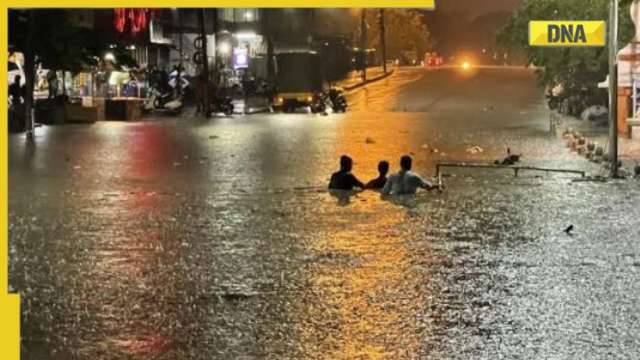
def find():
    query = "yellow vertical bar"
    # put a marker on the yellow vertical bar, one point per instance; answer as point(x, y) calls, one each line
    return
point(9, 304)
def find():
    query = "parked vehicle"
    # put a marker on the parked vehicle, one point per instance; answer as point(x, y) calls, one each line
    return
point(432, 60)
point(298, 81)
point(331, 100)
point(163, 95)
point(163, 101)
point(222, 104)
point(336, 99)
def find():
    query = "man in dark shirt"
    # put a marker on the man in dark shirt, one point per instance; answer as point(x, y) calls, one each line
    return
point(15, 91)
point(344, 179)
point(378, 183)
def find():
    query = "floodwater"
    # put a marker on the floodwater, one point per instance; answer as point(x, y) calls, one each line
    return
point(216, 239)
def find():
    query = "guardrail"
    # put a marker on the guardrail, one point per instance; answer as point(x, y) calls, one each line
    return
point(516, 169)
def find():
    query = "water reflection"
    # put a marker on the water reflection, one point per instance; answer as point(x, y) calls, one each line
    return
point(177, 240)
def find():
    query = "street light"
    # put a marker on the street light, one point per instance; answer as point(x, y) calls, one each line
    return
point(110, 57)
point(224, 48)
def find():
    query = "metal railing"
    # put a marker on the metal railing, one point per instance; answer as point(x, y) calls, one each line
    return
point(516, 169)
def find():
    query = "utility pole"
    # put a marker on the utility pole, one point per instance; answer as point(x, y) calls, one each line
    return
point(30, 74)
point(613, 87)
point(363, 44)
point(181, 54)
point(205, 66)
point(383, 41)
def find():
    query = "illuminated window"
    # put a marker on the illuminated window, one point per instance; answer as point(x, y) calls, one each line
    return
point(240, 15)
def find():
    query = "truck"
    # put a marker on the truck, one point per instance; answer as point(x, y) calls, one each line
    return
point(298, 80)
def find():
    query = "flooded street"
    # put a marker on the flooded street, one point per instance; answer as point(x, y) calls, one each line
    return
point(216, 239)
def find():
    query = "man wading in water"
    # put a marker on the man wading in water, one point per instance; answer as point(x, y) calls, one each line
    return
point(406, 182)
point(344, 179)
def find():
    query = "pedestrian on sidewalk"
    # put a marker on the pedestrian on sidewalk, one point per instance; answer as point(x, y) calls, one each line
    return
point(344, 179)
point(248, 86)
point(201, 84)
point(406, 182)
point(379, 182)
point(52, 80)
point(15, 91)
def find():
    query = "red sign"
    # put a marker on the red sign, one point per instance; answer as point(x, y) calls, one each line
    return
point(138, 19)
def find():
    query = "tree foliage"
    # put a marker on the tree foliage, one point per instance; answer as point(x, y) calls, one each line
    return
point(575, 68)
point(406, 30)
point(58, 43)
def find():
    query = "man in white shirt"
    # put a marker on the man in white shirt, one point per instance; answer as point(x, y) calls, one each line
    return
point(406, 182)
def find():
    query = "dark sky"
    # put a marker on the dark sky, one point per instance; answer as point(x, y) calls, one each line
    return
point(476, 7)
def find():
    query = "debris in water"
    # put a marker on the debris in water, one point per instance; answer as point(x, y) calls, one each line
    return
point(369, 140)
point(568, 230)
point(511, 159)
point(475, 150)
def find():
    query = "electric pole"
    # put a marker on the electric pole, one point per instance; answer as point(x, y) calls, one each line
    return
point(363, 44)
point(30, 74)
point(383, 41)
point(613, 87)
point(205, 65)
point(181, 54)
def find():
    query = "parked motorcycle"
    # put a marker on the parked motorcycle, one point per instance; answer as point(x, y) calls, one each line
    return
point(166, 101)
point(332, 99)
point(222, 104)
point(338, 100)
point(163, 95)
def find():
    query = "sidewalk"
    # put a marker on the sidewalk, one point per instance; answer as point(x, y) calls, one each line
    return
point(354, 78)
point(597, 133)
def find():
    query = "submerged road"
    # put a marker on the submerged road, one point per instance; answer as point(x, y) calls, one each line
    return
point(216, 239)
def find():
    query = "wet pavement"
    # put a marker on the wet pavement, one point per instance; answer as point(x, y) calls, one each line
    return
point(216, 239)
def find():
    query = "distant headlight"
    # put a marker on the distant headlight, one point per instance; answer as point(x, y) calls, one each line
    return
point(278, 100)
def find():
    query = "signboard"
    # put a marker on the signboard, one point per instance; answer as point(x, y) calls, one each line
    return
point(567, 33)
point(240, 58)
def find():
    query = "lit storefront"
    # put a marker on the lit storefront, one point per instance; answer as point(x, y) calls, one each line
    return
point(241, 50)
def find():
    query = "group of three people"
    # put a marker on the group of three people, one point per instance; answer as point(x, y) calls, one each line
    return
point(404, 182)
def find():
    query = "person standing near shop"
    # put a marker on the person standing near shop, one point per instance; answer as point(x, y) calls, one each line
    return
point(16, 91)
point(247, 89)
point(52, 80)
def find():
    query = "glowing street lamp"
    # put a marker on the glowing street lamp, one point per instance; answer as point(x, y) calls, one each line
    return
point(109, 57)
point(224, 48)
